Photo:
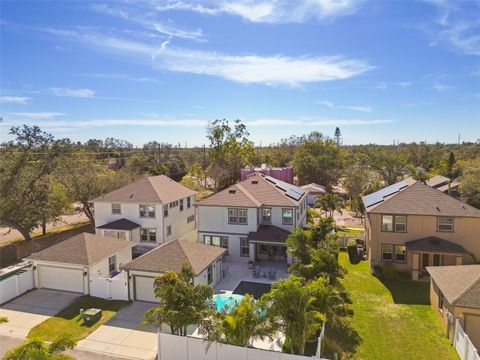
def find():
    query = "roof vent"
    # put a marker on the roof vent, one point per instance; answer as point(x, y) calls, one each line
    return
point(131, 196)
point(254, 182)
point(232, 191)
point(462, 206)
point(438, 208)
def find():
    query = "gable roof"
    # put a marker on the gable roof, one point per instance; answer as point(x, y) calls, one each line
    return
point(459, 284)
point(120, 224)
point(314, 188)
point(171, 256)
point(420, 199)
point(269, 234)
point(258, 190)
point(435, 245)
point(82, 249)
point(152, 189)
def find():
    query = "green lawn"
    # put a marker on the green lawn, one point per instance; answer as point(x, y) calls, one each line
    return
point(68, 321)
point(391, 319)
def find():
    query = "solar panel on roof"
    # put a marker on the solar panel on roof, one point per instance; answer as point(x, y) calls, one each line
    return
point(379, 195)
point(294, 195)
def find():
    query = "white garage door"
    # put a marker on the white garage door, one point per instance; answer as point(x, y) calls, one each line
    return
point(58, 278)
point(144, 289)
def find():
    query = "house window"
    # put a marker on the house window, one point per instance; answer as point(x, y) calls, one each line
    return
point(165, 210)
point(242, 216)
point(287, 216)
point(116, 209)
point(112, 262)
point(244, 247)
point(445, 224)
point(263, 249)
point(438, 260)
point(190, 219)
point(221, 241)
point(400, 253)
point(181, 205)
point(387, 252)
point(400, 223)
point(209, 274)
point(396, 223)
point(440, 301)
point(266, 215)
point(189, 202)
point(237, 216)
point(169, 230)
point(122, 235)
point(387, 223)
point(148, 234)
point(147, 211)
point(225, 243)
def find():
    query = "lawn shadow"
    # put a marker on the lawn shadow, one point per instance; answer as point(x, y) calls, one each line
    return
point(341, 339)
point(408, 291)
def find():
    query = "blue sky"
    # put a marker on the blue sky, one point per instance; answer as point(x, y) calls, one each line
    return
point(160, 70)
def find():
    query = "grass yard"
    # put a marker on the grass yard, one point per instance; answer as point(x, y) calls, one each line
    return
point(391, 319)
point(68, 321)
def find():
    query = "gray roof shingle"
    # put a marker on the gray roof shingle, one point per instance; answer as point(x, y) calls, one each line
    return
point(121, 224)
point(269, 234)
point(435, 244)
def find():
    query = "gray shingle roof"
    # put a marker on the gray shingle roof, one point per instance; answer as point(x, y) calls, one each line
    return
point(268, 234)
point(153, 189)
point(171, 256)
point(435, 244)
point(459, 284)
point(121, 224)
point(82, 249)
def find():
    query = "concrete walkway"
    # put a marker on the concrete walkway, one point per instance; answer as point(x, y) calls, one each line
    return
point(122, 336)
point(32, 308)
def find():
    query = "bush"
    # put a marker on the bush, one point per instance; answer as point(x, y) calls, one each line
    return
point(389, 272)
point(353, 253)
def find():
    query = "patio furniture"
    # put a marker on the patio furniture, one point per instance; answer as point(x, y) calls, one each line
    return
point(91, 316)
point(256, 273)
point(273, 273)
point(251, 264)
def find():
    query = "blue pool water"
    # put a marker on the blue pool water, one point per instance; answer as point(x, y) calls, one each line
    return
point(226, 301)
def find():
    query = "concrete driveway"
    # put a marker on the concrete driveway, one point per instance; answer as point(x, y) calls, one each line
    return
point(31, 309)
point(121, 335)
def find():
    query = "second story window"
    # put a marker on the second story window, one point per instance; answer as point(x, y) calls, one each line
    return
point(148, 234)
point(165, 210)
point(190, 219)
point(147, 211)
point(287, 216)
point(189, 202)
point(237, 216)
point(116, 209)
point(181, 205)
point(445, 224)
point(394, 223)
point(169, 230)
point(266, 215)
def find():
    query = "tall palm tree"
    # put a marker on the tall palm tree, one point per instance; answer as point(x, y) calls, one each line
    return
point(329, 203)
point(39, 350)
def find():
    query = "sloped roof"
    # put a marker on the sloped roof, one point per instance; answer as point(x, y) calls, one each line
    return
point(82, 249)
point(459, 284)
point(435, 244)
point(121, 224)
point(269, 234)
point(258, 190)
point(152, 189)
point(314, 188)
point(421, 199)
point(171, 256)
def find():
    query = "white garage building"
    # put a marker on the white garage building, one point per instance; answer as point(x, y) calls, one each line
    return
point(69, 265)
point(206, 261)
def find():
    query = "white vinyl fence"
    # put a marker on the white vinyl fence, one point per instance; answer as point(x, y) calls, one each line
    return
point(16, 285)
point(115, 288)
point(175, 347)
point(463, 344)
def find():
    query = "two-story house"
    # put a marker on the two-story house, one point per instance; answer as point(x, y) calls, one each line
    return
point(253, 218)
point(151, 211)
point(412, 225)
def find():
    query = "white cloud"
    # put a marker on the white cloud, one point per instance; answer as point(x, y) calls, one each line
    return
point(269, 11)
point(331, 105)
point(442, 87)
point(121, 77)
point(36, 115)
point(326, 103)
point(68, 92)
point(403, 83)
point(20, 100)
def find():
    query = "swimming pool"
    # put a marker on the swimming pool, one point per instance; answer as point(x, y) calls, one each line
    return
point(226, 302)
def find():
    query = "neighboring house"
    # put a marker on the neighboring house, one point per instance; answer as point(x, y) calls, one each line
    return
point(151, 211)
point(313, 191)
point(205, 260)
point(413, 225)
point(252, 219)
point(70, 264)
point(445, 185)
point(280, 173)
point(455, 293)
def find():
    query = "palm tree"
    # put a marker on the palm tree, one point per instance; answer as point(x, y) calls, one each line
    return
point(240, 326)
point(38, 350)
point(329, 203)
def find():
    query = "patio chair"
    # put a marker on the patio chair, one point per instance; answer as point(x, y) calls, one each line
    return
point(273, 273)
point(257, 271)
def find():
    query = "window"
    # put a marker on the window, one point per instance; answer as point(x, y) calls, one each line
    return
point(148, 234)
point(440, 301)
point(266, 215)
point(165, 210)
point(221, 241)
point(122, 235)
point(147, 211)
point(287, 216)
point(181, 205)
point(189, 202)
point(438, 260)
point(190, 219)
point(445, 224)
point(112, 262)
point(237, 216)
point(169, 230)
point(225, 243)
point(209, 274)
point(397, 223)
point(116, 208)
point(387, 252)
point(400, 253)
point(244, 247)
point(110, 233)
point(263, 249)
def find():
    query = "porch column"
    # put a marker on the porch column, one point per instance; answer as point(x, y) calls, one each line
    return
point(251, 251)
point(415, 266)
point(458, 260)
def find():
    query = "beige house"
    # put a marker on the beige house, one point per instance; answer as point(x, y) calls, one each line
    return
point(413, 225)
point(455, 294)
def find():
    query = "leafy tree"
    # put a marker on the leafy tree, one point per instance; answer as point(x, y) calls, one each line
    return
point(389, 164)
point(181, 302)
point(330, 203)
point(418, 173)
point(39, 350)
point(292, 308)
point(230, 149)
point(241, 325)
point(318, 160)
point(470, 182)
